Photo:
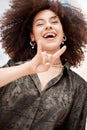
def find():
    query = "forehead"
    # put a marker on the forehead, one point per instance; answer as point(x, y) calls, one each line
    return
point(44, 14)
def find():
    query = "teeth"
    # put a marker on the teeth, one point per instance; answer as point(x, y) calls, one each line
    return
point(49, 34)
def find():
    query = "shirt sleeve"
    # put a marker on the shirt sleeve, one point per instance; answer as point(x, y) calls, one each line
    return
point(76, 119)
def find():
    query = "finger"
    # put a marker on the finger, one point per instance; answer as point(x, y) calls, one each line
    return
point(60, 52)
point(39, 47)
point(45, 57)
point(44, 67)
point(49, 57)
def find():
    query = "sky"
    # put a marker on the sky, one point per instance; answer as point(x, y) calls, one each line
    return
point(4, 4)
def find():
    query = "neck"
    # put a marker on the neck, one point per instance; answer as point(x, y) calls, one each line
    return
point(57, 63)
point(55, 69)
point(52, 51)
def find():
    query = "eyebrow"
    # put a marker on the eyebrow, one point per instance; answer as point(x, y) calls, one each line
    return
point(53, 17)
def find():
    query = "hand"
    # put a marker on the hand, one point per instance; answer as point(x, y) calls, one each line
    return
point(42, 61)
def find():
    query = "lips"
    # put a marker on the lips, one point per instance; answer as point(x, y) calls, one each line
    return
point(49, 35)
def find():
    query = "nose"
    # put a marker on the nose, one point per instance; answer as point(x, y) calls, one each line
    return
point(48, 26)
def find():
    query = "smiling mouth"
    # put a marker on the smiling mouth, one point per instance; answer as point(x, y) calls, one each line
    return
point(49, 35)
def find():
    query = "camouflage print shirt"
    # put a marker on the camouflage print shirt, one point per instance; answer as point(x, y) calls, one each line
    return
point(62, 105)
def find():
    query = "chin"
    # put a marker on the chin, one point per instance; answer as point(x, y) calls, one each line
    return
point(51, 46)
point(51, 49)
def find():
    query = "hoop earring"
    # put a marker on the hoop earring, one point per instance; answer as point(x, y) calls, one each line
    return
point(32, 44)
point(64, 39)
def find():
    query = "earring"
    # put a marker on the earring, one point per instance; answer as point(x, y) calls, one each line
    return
point(32, 43)
point(64, 39)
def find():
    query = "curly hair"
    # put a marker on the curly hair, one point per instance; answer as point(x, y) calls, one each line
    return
point(16, 25)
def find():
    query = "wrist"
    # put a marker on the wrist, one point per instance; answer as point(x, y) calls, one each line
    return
point(27, 68)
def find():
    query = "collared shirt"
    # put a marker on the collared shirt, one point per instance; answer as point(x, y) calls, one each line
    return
point(62, 105)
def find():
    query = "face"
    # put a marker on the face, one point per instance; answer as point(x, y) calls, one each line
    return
point(48, 29)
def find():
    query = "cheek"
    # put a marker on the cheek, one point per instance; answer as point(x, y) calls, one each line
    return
point(37, 34)
point(60, 28)
point(61, 34)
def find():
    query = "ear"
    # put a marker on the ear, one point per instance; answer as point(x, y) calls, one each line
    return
point(32, 37)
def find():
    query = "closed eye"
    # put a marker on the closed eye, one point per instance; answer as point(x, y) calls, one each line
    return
point(39, 24)
point(54, 22)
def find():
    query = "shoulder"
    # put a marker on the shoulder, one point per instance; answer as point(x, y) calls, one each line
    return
point(77, 83)
point(74, 79)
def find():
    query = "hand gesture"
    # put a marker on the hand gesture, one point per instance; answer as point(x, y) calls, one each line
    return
point(42, 61)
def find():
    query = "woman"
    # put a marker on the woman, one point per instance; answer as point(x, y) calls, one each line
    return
point(38, 88)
